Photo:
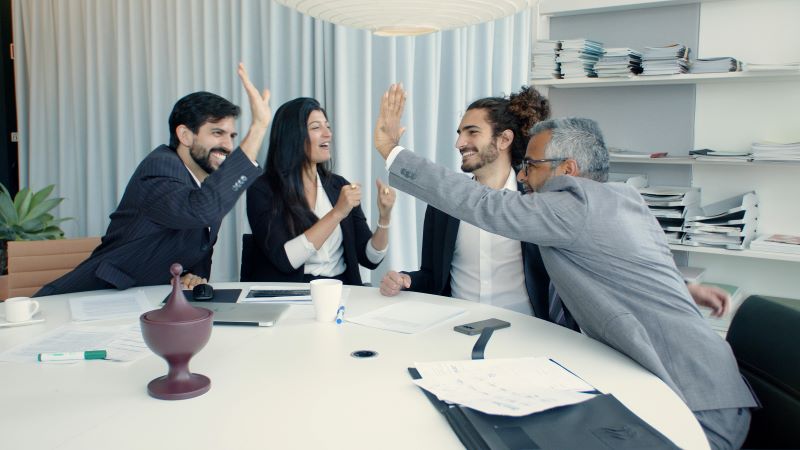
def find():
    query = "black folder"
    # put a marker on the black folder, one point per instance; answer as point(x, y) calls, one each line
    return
point(599, 423)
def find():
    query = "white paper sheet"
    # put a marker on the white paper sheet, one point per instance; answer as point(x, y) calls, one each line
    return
point(109, 305)
point(509, 387)
point(407, 317)
point(122, 343)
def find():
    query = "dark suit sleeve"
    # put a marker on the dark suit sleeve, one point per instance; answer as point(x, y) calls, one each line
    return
point(171, 202)
point(269, 229)
point(422, 279)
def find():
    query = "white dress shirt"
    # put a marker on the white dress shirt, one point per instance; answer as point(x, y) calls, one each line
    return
point(328, 261)
point(490, 272)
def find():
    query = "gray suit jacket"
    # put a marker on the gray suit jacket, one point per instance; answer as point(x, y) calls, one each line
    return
point(609, 261)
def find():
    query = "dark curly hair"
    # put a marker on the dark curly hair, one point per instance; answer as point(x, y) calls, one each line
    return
point(518, 112)
point(196, 109)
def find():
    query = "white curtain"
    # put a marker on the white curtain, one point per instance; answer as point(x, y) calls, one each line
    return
point(96, 81)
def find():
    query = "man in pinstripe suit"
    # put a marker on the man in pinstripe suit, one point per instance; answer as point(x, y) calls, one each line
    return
point(174, 203)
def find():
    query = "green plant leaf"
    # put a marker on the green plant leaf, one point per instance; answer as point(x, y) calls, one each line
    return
point(7, 209)
point(22, 202)
point(41, 195)
point(37, 211)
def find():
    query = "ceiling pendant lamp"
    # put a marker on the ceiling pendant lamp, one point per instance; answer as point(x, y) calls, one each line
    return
point(407, 17)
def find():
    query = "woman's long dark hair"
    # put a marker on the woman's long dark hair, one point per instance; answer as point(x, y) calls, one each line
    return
point(286, 158)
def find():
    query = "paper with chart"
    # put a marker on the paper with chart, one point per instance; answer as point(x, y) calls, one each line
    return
point(122, 343)
point(509, 387)
point(407, 317)
point(113, 305)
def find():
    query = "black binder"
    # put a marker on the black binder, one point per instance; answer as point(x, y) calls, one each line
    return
point(600, 423)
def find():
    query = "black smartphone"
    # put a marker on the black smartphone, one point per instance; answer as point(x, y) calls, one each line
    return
point(478, 327)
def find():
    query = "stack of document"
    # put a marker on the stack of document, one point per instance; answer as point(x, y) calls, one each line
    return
point(781, 243)
point(509, 387)
point(722, 324)
point(721, 155)
point(625, 153)
point(543, 61)
point(634, 179)
point(715, 65)
point(774, 151)
point(730, 223)
point(577, 57)
point(619, 62)
point(670, 204)
point(771, 67)
point(669, 60)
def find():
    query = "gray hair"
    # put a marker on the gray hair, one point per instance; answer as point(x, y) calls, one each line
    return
point(579, 139)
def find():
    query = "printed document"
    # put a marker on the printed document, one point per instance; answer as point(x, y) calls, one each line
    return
point(109, 306)
point(509, 387)
point(407, 317)
point(122, 343)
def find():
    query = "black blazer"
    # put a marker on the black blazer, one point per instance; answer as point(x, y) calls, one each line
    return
point(270, 262)
point(438, 245)
point(163, 218)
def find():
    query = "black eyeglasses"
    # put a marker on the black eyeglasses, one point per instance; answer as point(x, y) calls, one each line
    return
point(529, 162)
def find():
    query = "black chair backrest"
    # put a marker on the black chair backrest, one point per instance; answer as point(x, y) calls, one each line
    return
point(765, 338)
point(248, 249)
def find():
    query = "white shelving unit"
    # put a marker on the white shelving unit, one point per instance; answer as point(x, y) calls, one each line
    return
point(661, 80)
point(730, 111)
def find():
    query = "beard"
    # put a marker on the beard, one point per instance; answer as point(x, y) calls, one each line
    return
point(201, 156)
point(486, 155)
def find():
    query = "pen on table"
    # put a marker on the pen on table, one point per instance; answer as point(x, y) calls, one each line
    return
point(72, 356)
point(340, 314)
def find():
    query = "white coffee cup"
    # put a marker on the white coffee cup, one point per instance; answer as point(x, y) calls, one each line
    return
point(326, 295)
point(20, 309)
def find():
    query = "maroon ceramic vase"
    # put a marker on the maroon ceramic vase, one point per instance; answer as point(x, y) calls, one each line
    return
point(176, 333)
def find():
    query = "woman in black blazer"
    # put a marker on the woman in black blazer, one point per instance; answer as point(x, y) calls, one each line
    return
point(307, 222)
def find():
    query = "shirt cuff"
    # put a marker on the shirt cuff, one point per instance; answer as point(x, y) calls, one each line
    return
point(298, 250)
point(374, 255)
point(392, 155)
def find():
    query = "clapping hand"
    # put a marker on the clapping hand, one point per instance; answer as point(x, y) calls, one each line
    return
point(386, 199)
point(388, 129)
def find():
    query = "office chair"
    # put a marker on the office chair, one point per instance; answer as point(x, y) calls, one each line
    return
point(765, 338)
point(248, 250)
point(32, 264)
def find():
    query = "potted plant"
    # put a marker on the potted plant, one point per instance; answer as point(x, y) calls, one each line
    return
point(27, 217)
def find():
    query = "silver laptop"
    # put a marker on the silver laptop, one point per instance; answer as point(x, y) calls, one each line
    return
point(252, 314)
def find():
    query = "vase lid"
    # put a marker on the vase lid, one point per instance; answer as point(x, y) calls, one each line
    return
point(176, 309)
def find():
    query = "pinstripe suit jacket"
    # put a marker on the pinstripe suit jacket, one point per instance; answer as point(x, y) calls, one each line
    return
point(163, 218)
point(610, 263)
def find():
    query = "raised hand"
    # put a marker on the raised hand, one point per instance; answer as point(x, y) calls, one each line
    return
point(349, 198)
point(388, 129)
point(394, 282)
point(259, 101)
point(386, 199)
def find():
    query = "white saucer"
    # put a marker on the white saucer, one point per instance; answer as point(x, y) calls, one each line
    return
point(4, 324)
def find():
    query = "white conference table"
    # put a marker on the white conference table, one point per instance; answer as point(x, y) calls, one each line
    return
point(295, 385)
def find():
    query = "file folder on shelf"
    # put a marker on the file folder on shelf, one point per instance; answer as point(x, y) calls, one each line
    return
point(600, 423)
point(730, 223)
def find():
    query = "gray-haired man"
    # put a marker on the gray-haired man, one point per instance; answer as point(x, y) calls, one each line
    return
point(607, 258)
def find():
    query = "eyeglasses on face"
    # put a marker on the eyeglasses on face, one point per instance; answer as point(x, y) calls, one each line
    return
point(527, 162)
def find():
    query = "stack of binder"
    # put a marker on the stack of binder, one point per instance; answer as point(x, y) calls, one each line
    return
point(670, 60)
point(670, 205)
point(543, 61)
point(774, 151)
point(730, 223)
point(577, 57)
point(619, 62)
point(715, 65)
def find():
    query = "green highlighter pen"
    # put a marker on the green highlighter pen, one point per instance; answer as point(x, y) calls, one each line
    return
point(72, 356)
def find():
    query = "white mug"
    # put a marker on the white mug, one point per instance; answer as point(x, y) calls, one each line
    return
point(326, 295)
point(20, 309)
